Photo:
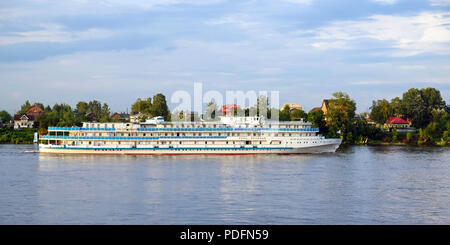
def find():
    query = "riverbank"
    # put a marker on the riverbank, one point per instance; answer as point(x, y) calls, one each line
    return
point(382, 143)
point(19, 136)
point(25, 136)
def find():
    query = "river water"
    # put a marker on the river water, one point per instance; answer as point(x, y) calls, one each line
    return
point(356, 185)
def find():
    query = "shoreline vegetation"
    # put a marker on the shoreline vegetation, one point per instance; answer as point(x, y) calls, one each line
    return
point(424, 109)
point(21, 136)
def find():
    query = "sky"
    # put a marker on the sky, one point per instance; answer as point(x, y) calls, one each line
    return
point(117, 51)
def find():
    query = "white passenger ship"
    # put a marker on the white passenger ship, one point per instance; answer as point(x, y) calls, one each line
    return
point(230, 135)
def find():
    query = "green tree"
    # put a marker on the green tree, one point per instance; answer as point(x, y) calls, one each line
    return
point(24, 107)
point(414, 108)
point(421, 135)
point(159, 107)
point(105, 114)
point(142, 106)
point(340, 115)
point(5, 117)
point(432, 98)
point(45, 120)
point(419, 104)
point(95, 107)
point(437, 114)
point(396, 107)
point(65, 115)
point(409, 137)
point(80, 112)
point(298, 114)
point(60, 115)
point(40, 105)
point(381, 111)
point(317, 119)
point(446, 136)
point(394, 135)
point(432, 132)
point(285, 114)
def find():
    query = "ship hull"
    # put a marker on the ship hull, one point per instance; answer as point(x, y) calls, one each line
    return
point(329, 146)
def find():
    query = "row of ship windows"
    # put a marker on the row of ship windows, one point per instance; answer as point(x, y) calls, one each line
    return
point(193, 134)
point(112, 126)
point(172, 142)
point(203, 149)
point(190, 143)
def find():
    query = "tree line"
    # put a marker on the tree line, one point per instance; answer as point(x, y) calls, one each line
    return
point(151, 108)
point(424, 107)
point(63, 115)
point(426, 110)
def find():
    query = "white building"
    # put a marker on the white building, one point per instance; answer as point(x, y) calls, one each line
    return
point(23, 121)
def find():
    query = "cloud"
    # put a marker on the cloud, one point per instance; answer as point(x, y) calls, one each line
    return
point(134, 48)
point(330, 45)
point(439, 2)
point(34, 30)
point(33, 51)
point(39, 11)
point(52, 33)
point(407, 35)
point(240, 20)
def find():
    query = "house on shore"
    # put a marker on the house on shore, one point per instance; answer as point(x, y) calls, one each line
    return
point(23, 121)
point(122, 117)
point(228, 110)
point(138, 117)
point(27, 120)
point(34, 111)
point(400, 124)
point(369, 121)
point(91, 117)
point(323, 107)
point(292, 107)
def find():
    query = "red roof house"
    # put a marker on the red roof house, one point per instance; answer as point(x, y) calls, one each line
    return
point(27, 120)
point(397, 120)
point(35, 111)
point(229, 109)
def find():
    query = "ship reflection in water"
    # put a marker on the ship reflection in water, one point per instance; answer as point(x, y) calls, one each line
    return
point(355, 185)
